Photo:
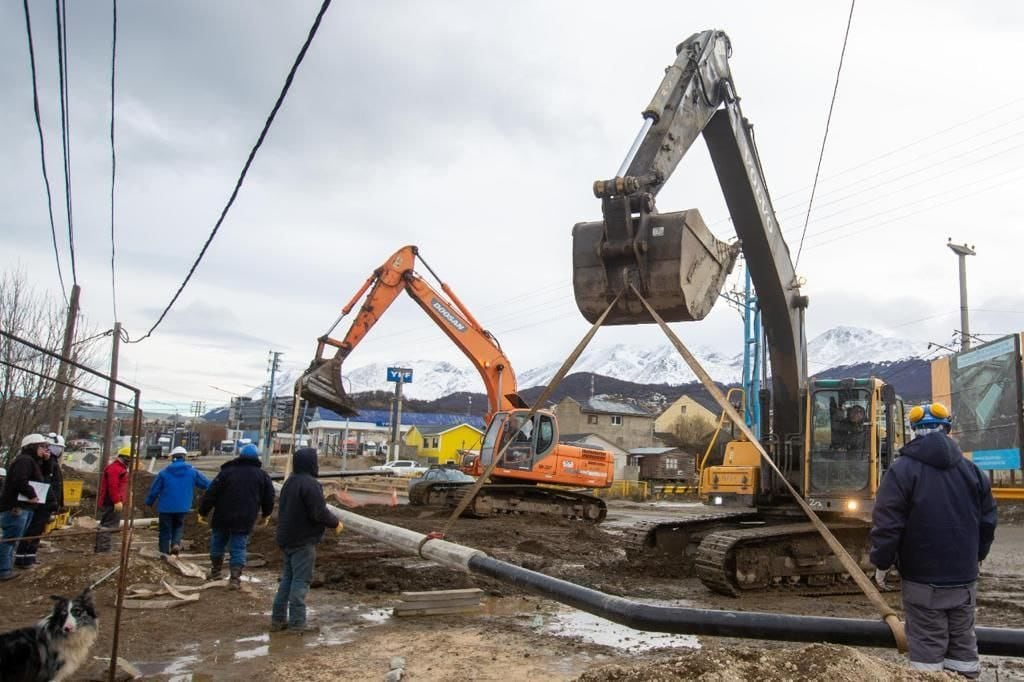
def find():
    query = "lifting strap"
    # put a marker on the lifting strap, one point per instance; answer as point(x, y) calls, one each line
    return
point(867, 587)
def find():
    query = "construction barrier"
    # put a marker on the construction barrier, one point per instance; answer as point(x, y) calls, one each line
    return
point(625, 490)
point(675, 490)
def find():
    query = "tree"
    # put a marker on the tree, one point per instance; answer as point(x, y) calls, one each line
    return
point(27, 388)
point(692, 432)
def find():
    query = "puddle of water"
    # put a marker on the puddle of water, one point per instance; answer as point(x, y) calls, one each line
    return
point(265, 637)
point(180, 666)
point(376, 616)
point(590, 628)
point(246, 654)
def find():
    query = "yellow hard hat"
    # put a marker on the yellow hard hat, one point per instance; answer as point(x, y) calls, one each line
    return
point(126, 451)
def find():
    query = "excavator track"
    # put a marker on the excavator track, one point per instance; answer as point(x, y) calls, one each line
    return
point(434, 493)
point(503, 498)
point(791, 556)
point(672, 541)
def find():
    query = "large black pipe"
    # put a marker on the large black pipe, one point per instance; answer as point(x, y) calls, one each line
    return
point(743, 624)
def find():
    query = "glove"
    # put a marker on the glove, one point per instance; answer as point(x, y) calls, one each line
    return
point(339, 529)
point(118, 506)
point(201, 520)
point(880, 578)
point(264, 522)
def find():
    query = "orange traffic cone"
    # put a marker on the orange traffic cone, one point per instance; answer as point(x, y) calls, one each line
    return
point(394, 498)
point(346, 499)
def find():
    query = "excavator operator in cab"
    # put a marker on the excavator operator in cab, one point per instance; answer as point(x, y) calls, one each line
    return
point(850, 433)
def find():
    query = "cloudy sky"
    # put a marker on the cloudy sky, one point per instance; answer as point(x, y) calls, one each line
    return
point(475, 130)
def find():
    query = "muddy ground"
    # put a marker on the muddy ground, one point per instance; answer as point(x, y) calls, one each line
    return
point(516, 636)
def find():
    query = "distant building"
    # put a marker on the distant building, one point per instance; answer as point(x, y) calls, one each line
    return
point(684, 407)
point(665, 464)
point(442, 443)
point(622, 424)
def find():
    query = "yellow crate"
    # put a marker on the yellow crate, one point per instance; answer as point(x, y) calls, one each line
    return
point(72, 493)
point(57, 521)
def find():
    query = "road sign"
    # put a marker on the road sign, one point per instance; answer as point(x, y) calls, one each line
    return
point(396, 374)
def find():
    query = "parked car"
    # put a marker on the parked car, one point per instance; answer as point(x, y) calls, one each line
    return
point(438, 473)
point(400, 467)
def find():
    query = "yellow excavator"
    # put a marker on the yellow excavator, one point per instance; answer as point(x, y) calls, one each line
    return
point(534, 456)
point(831, 439)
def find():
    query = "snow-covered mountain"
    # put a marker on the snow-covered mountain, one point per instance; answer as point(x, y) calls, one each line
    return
point(639, 364)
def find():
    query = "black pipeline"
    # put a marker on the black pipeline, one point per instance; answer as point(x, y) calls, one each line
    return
point(744, 624)
point(653, 618)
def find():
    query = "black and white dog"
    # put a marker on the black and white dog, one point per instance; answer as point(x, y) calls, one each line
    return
point(54, 648)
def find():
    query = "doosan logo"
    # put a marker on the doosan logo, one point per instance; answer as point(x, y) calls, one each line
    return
point(448, 315)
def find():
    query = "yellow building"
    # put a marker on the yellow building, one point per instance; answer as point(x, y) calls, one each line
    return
point(444, 442)
point(685, 406)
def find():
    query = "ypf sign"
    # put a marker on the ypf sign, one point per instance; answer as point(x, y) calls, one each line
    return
point(399, 374)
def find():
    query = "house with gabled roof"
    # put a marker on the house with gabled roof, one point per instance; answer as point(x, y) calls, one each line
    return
point(443, 442)
point(622, 424)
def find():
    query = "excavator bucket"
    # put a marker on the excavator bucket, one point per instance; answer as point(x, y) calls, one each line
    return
point(675, 261)
point(321, 386)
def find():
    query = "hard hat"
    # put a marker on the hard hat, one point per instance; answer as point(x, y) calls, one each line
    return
point(34, 439)
point(56, 439)
point(929, 416)
point(179, 452)
point(126, 451)
point(249, 450)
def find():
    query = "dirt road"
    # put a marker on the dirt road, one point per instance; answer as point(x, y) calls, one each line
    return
point(517, 636)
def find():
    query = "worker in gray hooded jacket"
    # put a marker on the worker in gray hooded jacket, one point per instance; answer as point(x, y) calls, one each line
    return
point(302, 518)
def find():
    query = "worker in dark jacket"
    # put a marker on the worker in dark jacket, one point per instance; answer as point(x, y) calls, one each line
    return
point(26, 554)
point(301, 519)
point(18, 498)
point(935, 519)
point(112, 495)
point(239, 493)
point(174, 488)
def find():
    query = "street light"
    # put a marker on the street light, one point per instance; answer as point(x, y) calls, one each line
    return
point(962, 251)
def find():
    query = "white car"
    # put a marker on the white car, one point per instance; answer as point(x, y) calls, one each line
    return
point(400, 467)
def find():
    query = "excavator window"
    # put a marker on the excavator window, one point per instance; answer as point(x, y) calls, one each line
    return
point(840, 453)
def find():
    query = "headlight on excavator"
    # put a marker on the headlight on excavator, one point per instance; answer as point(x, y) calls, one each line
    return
point(852, 505)
point(717, 499)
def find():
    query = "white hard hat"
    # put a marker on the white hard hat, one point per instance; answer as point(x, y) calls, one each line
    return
point(34, 439)
point(179, 451)
point(56, 439)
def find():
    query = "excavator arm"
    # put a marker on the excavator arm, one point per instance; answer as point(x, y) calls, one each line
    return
point(321, 384)
point(674, 260)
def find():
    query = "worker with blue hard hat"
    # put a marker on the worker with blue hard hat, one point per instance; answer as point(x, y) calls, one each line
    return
point(934, 519)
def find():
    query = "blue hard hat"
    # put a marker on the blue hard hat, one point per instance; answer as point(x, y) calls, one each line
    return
point(929, 416)
point(249, 450)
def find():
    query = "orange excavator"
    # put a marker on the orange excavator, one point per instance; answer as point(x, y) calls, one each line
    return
point(534, 457)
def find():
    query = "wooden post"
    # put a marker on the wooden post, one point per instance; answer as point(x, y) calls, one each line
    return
point(60, 390)
point(108, 429)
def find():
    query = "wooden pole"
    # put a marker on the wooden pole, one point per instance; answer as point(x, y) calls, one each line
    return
point(60, 391)
point(108, 429)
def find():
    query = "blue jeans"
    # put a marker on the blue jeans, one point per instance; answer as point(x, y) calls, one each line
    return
point(296, 573)
point(13, 522)
point(172, 529)
point(236, 543)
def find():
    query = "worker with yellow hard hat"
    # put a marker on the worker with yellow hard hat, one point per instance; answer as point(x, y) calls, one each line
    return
point(111, 497)
point(935, 519)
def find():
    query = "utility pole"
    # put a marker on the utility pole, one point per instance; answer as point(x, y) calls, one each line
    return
point(268, 412)
point(108, 428)
point(962, 251)
point(59, 389)
point(198, 407)
point(399, 375)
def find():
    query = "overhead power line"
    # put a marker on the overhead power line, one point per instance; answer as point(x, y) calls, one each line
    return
point(113, 163)
point(42, 147)
point(65, 124)
point(245, 168)
point(828, 121)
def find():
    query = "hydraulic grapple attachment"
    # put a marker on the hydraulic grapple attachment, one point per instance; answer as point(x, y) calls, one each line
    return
point(321, 386)
point(674, 260)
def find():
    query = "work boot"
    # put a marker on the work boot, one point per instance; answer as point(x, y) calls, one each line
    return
point(175, 550)
point(235, 581)
point(216, 568)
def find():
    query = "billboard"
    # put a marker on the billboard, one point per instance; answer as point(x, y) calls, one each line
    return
point(982, 386)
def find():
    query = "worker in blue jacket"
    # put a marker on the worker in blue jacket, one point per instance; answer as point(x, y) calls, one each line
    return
point(174, 488)
point(935, 519)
